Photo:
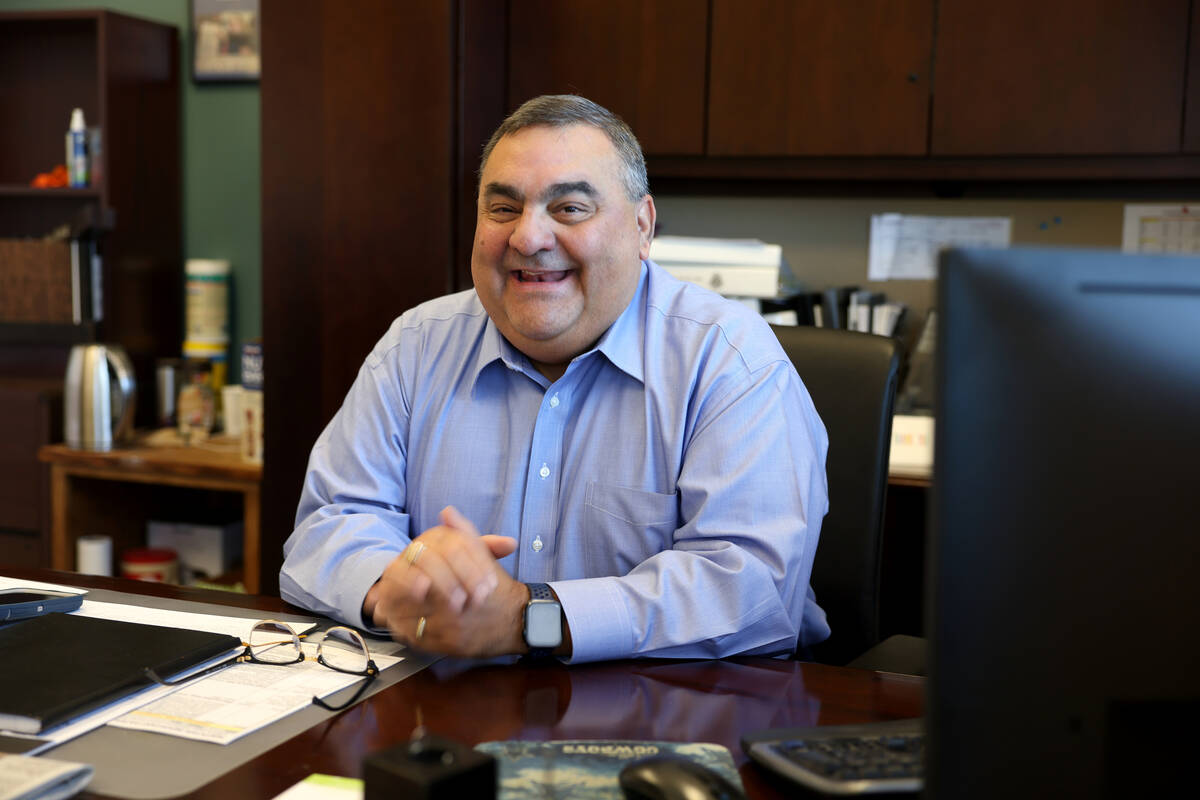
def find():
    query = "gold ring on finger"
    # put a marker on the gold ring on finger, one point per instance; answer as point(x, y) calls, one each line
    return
point(414, 552)
point(420, 628)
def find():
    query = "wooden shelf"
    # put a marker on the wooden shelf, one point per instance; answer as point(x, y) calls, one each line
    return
point(59, 193)
point(47, 333)
point(84, 483)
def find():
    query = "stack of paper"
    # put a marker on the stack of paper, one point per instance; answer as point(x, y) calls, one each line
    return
point(732, 267)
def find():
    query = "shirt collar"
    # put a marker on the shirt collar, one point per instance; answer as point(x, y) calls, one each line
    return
point(625, 340)
point(622, 344)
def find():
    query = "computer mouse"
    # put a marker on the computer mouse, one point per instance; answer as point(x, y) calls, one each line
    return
point(667, 777)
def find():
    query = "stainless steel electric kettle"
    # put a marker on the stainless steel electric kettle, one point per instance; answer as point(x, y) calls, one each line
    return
point(98, 397)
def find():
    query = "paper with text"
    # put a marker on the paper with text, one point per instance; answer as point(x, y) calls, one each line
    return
point(233, 702)
point(1161, 229)
point(26, 778)
point(906, 247)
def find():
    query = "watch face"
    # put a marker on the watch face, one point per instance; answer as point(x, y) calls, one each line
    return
point(543, 624)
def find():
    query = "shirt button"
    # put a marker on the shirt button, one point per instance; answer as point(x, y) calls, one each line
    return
point(537, 544)
point(544, 472)
point(554, 401)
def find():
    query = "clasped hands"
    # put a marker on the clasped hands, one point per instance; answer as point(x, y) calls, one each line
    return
point(446, 593)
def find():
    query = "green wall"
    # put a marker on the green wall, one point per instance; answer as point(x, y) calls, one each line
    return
point(222, 209)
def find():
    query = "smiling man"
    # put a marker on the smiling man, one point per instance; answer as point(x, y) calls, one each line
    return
point(581, 456)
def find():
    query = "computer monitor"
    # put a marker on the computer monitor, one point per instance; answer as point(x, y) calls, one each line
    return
point(1064, 571)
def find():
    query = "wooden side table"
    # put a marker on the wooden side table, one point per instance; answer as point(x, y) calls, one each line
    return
point(115, 493)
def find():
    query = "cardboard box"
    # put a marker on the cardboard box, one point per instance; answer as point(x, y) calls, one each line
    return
point(210, 550)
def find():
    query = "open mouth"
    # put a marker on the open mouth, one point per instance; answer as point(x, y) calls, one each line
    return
point(528, 276)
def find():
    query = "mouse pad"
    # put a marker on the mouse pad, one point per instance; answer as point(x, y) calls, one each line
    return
point(586, 769)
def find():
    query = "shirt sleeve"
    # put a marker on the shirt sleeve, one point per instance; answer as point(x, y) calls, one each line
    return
point(752, 493)
point(351, 523)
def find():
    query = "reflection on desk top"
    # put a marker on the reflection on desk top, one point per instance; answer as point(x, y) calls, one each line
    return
point(162, 451)
point(472, 702)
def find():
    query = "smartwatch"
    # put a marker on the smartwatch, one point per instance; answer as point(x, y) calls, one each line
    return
point(543, 621)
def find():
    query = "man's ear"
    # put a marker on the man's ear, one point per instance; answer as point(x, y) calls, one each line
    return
point(646, 216)
point(645, 222)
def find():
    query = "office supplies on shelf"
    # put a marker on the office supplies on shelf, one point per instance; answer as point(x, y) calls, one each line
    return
point(886, 318)
point(862, 760)
point(911, 451)
point(585, 769)
point(61, 666)
point(732, 267)
point(28, 778)
point(835, 306)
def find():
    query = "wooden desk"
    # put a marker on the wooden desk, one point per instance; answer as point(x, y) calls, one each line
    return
point(710, 701)
point(84, 499)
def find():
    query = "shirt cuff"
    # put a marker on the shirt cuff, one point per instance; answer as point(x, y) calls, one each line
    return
point(600, 625)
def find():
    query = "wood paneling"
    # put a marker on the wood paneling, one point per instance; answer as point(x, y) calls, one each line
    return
point(641, 59)
point(1075, 77)
point(482, 48)
point(358, 154)
point(1191, 119)
point(812, 78)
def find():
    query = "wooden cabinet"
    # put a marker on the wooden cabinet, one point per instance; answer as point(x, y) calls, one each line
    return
point(879, 89)
point(1191, 120)
point(30, 417)
point(811, 78)
point(124, 73)
point(641, 59)
point(1075, 77)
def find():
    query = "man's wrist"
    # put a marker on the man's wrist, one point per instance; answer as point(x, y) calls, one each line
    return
point(518, 616)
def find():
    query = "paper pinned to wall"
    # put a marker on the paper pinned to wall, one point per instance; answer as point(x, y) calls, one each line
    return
point(1161, 229)
point(905, 247)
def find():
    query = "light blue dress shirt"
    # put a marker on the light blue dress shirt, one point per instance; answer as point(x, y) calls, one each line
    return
point(670, 485)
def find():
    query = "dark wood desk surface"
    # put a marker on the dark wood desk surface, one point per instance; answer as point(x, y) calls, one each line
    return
point(703, 701)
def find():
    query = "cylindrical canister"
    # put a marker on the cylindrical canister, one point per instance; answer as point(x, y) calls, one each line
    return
point(93, 555)
point(207, 308)
point(154, 564)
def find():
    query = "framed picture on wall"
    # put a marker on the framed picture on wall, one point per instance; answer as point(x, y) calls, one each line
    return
point(225, 41)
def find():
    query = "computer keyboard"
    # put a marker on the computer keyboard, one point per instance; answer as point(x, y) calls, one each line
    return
point(876, 758)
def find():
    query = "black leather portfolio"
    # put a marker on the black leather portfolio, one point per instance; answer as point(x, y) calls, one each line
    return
point(56, 667)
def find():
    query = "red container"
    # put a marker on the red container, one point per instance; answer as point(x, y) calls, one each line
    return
point(157, 565)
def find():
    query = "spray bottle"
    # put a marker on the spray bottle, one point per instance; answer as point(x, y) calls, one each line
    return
point(77, 156)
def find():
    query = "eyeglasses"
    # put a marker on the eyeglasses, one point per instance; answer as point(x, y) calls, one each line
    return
point(273, 642)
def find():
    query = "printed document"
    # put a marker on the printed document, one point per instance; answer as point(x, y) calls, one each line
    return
point(1161, 229)
point(240, 699)
point(26, 778)
point(906, 247)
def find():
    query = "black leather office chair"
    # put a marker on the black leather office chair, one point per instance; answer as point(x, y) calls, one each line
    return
point(852, 378)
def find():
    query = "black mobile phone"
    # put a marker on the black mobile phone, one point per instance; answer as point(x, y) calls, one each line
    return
point(19, 602)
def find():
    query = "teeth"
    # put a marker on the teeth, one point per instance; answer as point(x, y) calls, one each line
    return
point(540, 277)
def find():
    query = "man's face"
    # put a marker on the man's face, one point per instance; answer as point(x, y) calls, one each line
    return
point(558, 243)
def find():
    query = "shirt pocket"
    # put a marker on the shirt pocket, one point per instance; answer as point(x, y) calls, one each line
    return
point(623, 526)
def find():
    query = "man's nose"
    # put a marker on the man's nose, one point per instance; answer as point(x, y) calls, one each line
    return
point(532, 234)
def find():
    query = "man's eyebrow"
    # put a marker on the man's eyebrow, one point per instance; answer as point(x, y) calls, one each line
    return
point(495, 188)
point(556, 190)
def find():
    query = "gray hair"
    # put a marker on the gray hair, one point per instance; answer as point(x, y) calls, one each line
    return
point(560, 110)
